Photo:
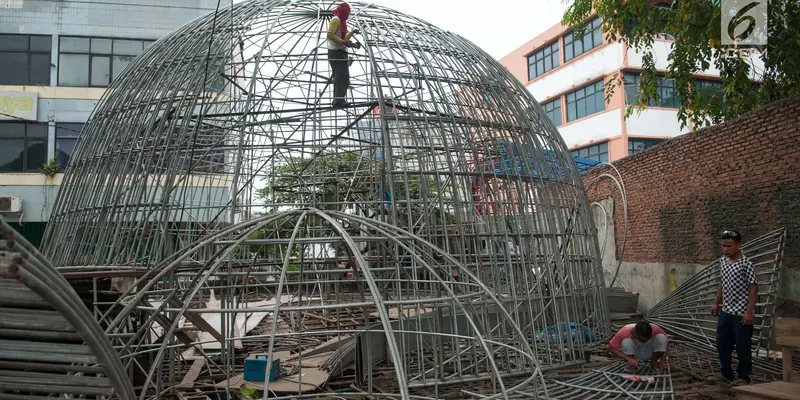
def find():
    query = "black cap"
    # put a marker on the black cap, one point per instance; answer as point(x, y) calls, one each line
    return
point(733, 235)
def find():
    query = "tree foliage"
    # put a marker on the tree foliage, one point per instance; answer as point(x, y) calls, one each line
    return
point(330, 181)
point(346, 181)
point(322, 181)
point(696, 25)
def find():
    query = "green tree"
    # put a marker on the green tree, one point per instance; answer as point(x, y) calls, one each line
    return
point(696, 25)
point(330, 181)
point(333, 181)
point(326, 181)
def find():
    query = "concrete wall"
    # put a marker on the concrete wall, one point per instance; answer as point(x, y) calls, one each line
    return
point(38, 193)
point(37, 201)
point(655, 122)
point(683, 193)
point(599, 126)
point(662, 50)
point(652, 281)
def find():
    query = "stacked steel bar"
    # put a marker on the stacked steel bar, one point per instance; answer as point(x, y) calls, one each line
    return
point(49, 342)
point(686, 312)
point(614, 381)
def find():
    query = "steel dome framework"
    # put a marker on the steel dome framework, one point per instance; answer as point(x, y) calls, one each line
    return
point(435, 227)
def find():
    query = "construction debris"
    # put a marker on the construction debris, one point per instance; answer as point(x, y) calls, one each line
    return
point(429, 239)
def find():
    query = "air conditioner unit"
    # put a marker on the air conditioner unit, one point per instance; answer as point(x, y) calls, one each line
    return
point(10, 204)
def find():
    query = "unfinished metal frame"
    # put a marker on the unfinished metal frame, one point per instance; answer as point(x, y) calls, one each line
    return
point(49, 341)
point(615, 382)
point(439, 211)
point(687, 310)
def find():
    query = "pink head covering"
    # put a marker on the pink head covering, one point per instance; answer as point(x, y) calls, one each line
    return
point(343, 11)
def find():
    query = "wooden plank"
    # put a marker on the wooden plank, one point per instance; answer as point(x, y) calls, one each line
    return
point(769, 391)
point(305, 381)
point(311, 361)
point(166, 323)
point(198, 321)
point(787, 363)
point(331, 345)
point(787, 332)
point(194, 372)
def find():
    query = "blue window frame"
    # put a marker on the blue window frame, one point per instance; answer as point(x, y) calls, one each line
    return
point(553, 111)
point(543, 60)
point(586, 101)
point(597, 152)
point(575, 45)
point(638, 145)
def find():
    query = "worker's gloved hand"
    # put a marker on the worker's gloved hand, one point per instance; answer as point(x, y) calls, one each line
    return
point(357, 45)
point(356, 31)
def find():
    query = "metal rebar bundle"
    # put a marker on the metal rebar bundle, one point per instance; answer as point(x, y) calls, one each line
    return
point(437, 218)
point(49, 341)
point(687, 310)
point(614, 381)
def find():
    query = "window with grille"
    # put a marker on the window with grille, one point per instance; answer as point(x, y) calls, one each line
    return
point(66, 139)
point(543, 60)
point(25, 59)
point(553, 111)
point(667, 92)
point(586, 101)
point(598, 152)
point(637, 145)
point(575, 45)
point(24, 146)
point(710, 91)
point(85, 61)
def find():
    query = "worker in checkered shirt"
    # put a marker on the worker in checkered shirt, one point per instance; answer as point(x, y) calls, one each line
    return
point(737, 293)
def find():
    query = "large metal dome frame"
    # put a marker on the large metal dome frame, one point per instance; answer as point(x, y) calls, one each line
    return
point(440, 211)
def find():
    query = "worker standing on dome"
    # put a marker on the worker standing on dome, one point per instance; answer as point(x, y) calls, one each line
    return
point(338, 42)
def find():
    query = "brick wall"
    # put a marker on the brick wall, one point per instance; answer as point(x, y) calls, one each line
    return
point(743, 175)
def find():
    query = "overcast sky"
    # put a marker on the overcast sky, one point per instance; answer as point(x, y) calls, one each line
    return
point(497, 26)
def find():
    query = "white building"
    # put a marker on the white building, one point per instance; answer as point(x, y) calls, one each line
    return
point(568, 74)
point(57, 58)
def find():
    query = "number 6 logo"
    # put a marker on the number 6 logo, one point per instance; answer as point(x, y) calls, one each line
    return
point(744, 22)
point(740, 18)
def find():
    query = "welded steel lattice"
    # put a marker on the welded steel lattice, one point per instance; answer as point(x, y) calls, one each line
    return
point(49, 342)
point(616, 381)
point(436, 226)
point(687, 310)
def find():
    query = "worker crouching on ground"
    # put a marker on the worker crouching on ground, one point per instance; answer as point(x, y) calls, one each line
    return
point(639, 343)
point(338, 42)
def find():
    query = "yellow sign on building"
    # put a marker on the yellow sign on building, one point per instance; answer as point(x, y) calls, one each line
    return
point(18, 105)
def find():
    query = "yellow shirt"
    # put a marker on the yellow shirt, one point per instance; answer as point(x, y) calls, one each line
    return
point(335, 41)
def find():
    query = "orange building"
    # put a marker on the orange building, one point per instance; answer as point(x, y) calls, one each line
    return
point(568, 75)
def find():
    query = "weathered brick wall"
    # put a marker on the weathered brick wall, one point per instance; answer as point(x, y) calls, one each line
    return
point(743, 174)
